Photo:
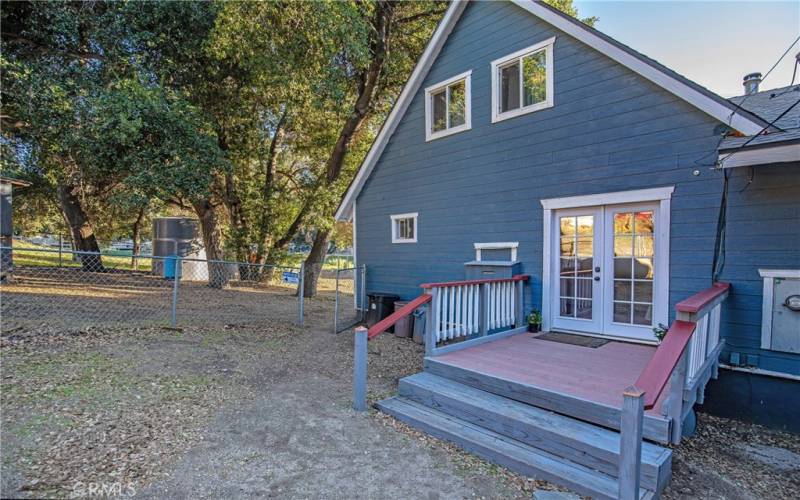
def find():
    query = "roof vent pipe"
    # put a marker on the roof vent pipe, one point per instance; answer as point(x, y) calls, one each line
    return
point(751, 83)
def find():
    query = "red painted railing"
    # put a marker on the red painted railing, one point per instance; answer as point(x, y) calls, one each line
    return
point(396, 316)
point(519, 277)
point(656, 374)
point(698, 301)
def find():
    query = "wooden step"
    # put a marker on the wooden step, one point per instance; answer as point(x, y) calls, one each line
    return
point(580, 442)
point(503, 450)
point(656, 428)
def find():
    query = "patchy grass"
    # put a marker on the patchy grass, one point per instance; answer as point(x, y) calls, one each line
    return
point(28, 254)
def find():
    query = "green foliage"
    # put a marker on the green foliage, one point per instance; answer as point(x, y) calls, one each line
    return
point(236, 106)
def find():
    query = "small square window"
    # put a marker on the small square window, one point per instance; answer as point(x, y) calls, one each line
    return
point(447, 107)
point(404, 228)
point(523, 81)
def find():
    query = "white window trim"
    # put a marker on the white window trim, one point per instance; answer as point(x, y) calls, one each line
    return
point(497, 116)
point(768, 276)
point(506, 245)
point(429, 133)
point(662, 195)
point(395, 218)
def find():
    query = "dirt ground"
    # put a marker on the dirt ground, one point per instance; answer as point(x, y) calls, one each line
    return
point(227, 410)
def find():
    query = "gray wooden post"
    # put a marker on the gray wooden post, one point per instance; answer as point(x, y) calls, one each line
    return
point(175, 283)
point(60, 248)
point(363, 293)
point(300, 293)
point(360, 370)
point(483, 309)
point(520, 312)
point(336, 305)
point(630, 443)
point(673, 405)
point(430, 323)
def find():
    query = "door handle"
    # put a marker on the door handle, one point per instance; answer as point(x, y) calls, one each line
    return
point(597, 278)
point(597, 269)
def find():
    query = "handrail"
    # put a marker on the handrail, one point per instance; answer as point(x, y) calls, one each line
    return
point(396, 316)
point(656, 374)
point(700, 300)
point(518, 277)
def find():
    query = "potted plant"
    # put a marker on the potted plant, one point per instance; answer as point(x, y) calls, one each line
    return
point(534, 321)
point(660, 331)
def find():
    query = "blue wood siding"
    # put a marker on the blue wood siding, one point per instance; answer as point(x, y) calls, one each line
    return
point(609, 130)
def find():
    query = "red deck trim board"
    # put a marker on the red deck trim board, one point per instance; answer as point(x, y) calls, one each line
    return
point(519, 277)
point(657, 372)
point(396, 316)
point(699, 300)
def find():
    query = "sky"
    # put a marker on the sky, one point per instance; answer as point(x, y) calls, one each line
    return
point(714, 43)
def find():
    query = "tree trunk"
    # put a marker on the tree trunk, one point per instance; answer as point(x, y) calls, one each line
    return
point(218, 274)
point(368, 91)
point(137, 229)
point(83, 237)
point(314, 262)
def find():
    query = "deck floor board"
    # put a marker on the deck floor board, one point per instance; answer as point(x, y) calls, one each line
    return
point(595, 374)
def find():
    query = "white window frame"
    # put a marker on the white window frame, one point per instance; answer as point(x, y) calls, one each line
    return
point(506, 245)
point(395, 219)
point(429, 91)
point(497, 64)
point(660, 195)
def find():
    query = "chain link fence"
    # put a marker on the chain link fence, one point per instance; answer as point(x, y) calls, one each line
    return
point(350, 300)
point(42, 286)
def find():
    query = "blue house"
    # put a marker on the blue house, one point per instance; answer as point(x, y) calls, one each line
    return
point(534, 163)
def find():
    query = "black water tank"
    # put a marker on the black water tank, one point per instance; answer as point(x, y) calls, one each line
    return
point(381, 305)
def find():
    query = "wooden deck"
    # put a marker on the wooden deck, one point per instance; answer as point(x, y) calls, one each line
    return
point(597, 374)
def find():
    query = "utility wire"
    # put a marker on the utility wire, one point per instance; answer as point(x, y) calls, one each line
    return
point(756, 136)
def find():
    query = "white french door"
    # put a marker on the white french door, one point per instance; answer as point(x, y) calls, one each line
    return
point(604, 264)
point(578, 250)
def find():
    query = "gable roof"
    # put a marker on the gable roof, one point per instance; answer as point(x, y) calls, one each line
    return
point(694, 94)
point(769, 105)
point(779, 105)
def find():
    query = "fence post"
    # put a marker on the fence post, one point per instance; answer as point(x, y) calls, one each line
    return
point(483, 309)
point(520, 312)
point(301, 293)
point(60, 248)
point(360, 369)
point(363, 292)
point(673, 405)
point(336, 305)
point(175, 283)
point(431, 324)
point(630, 428)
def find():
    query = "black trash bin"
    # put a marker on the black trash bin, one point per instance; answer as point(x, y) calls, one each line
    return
point(381, 305)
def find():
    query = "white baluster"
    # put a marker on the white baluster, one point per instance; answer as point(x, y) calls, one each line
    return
point(451, 313)
point(476, 308)
point(467, 309)
point(459, 311)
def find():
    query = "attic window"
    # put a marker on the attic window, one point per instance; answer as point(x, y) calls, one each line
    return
point(447, 107)
point(522, 82)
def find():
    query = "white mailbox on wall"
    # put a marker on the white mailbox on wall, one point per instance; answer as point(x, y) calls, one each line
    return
point(780, 321)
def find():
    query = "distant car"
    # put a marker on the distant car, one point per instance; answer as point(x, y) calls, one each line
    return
point(122, 245)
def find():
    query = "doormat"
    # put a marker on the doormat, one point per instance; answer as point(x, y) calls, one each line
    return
point(567, 338)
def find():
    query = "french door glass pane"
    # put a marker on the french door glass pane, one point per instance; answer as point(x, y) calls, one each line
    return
point(509, 87)
point(575, 285)
point(634, 253)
